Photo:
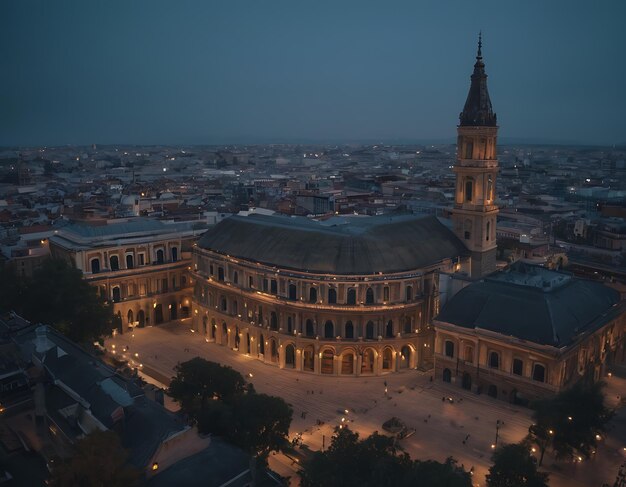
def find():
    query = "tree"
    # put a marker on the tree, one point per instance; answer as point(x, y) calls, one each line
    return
point(58, 295)
point(571, 422)
point(261, 424)
point(200, 381)
point(98, 459)
point(376, 461)
point(513, 466)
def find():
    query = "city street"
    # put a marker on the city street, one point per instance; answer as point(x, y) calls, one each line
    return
point(448, 420)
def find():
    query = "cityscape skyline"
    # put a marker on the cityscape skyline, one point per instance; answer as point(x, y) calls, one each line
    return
point(298, 74)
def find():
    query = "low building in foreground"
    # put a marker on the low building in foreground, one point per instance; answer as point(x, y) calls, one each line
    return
point(528, 332)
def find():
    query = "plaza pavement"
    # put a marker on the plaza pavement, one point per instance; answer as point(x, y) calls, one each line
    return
point(462, 426)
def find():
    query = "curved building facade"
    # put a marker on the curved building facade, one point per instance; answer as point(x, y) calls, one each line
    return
point(345, 297)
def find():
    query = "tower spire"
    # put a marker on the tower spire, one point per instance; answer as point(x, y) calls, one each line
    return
point(477, 110)
point(480, 45)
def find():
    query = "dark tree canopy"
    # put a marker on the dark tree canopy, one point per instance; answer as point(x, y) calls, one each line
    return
point(514, 467)
point(99, 459)
point(376, 461)
point(198, 382)
point(261, 423)
point(570, 421)
point(57, 295)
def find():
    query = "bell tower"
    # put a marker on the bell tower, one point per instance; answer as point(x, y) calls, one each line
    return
point(474, 214)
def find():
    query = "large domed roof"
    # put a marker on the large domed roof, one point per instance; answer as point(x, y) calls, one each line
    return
point(371, 245)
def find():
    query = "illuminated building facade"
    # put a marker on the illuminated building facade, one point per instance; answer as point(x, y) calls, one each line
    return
point(345, 297)
point(140, 265)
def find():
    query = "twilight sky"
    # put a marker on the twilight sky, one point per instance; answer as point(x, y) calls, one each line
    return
point(209, 71)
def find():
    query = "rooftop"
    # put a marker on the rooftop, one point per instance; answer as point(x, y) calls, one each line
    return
point(349, 246)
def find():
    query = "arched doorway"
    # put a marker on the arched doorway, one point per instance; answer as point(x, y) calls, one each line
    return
point(213, 329)
point(467, 381)
point(387, 359)
point(290, 356)
point(114, 263)
point(141, 318)
point(327, 364)
point(329, 329)
point(308, 362)
point(368, 362)
point(129, 261)
point(173, 311)
point(273, 351)
point(261, 346)
point(130, 317)
point(369, 296)
point(347, 363)
point(405, 357)
point(117, 295)
point(205, 321)
point(447, 375)
point(237, 337)
point(158, 314)
point(224, 333)
point(247, 343)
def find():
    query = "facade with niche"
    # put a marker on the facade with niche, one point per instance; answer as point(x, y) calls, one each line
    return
point(347, 297)
point(140, 265)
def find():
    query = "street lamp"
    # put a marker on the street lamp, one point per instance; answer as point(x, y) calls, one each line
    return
point(498, 424)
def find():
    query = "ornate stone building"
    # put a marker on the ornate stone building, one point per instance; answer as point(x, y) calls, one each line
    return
point(141, 265)
point(346, 297)
point(528, 332)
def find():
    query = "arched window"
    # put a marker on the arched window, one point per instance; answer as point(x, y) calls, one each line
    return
point(95, 266)
point(369, 296)
point(235, 307)
point(289, 325)
point(539, 373)
point(130, 317)
point(332, 295)
point(114, 262)
point(290, 356)
point(116, 294)
point(389, 329)
point(349, 330)
point(174, 254)
point(494, 360)
point(224, 304)
point(407, 325)
point(235, 277)
point(261, 345)
point(469, 354)
point(469, 149)
point(273, 321)
point(469, 189)
point(449, 348)
point(386, 293)
point(492, 391)
point(369, 330)
point(518, 366)
point(160, 257)
point(129, 261)
point(309, 328)
point(292, 292)
point(220, 273)
point(313, 295)
point(488, 231)
point(273, 286)
point(329, 329)
point(409, 293)
point(351, 296)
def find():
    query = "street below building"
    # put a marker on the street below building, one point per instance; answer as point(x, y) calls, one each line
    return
point(448, 420)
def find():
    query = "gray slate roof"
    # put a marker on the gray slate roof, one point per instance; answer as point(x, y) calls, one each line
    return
point(548, 317)
point(359, 246)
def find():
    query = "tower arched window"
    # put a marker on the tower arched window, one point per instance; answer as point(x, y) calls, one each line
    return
point(469, 189)
point(369, 296)
point(488, 231)
point(489, 188)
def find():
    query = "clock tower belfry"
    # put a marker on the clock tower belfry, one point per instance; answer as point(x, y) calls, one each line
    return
point(474, 214)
